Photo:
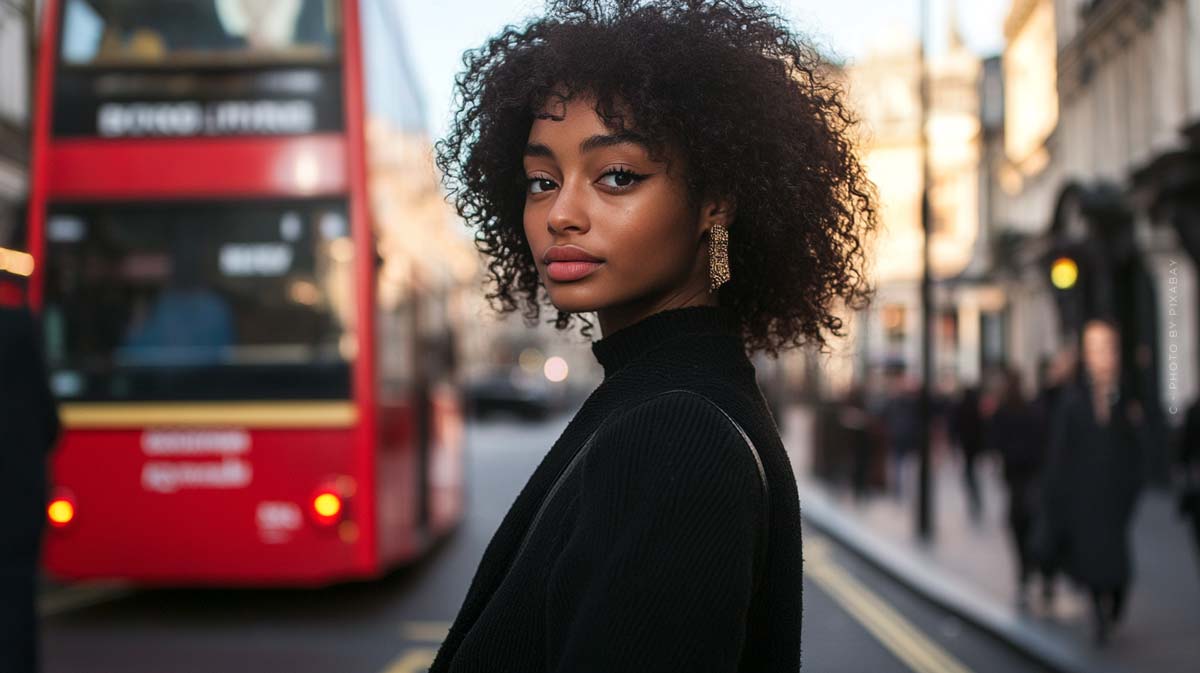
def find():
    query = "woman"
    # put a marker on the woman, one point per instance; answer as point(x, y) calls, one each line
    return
point(681, 170)
point(1093, 478)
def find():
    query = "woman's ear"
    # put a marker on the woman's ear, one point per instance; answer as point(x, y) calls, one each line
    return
point(718, 212)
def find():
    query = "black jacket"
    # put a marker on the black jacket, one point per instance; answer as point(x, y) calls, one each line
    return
point(1090, 491)
point(28, 429)
point(643, 560)
point(1017, 432)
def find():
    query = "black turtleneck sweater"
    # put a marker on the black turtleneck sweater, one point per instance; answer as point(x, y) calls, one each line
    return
point(643, 559)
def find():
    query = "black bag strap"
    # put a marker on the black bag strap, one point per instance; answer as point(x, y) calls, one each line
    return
point(760, 549)
point(764, 528)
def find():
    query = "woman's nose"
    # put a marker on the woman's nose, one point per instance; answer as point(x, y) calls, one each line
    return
point(569, 209)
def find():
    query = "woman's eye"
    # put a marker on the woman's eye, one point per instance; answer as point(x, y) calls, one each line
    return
point(622, 178)
point(535, 183)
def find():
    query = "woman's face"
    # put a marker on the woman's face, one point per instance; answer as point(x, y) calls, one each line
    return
point(601, 194)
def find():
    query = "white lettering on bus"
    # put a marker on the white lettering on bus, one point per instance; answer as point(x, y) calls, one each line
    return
point(277, 520)
point(115, 120)
point(278, 515)
point(189, 443)
point(255, 259)
point(189, 118)
point(169, 477)
point(264, 116)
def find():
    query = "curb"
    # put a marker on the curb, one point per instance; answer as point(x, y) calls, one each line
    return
point(909, 568)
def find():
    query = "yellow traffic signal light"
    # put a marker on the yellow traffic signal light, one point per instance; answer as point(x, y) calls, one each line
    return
point(1063, 273)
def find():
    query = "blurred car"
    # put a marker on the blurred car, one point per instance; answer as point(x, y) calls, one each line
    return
point(509, 391)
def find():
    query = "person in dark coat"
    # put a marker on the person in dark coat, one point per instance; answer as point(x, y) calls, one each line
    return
point(1093, 479)
point(966, 425)
point(1055, 376)
point(1015, 432)
point(860, 439)
point(901, 415)
point(29, 426)
point(1189, 458)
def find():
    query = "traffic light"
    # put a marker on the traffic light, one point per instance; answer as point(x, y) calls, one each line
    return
point(1064, 272)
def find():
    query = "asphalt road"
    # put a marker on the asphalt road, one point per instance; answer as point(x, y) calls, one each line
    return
point(855, 620)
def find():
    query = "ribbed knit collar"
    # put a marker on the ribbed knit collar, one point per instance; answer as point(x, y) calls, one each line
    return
point(616, 350)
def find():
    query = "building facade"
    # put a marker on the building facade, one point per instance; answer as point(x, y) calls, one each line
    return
point(15, 86)
point(1101, 172)
point(885, 89)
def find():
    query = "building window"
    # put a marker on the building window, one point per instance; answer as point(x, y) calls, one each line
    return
point(14, 75)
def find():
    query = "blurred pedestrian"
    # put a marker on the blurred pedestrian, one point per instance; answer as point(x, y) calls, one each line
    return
point(1189, 458)
point(1093, 478)
point(860, 438)
point(29, 427)
point(1015, 431)
point(901, 415)
point(1055, 374)
point(966, 429)
point(826, 441)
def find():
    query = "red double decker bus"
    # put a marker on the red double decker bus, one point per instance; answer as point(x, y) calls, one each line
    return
point(255, 367)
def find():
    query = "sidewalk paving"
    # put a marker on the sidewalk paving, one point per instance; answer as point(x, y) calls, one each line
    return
point(969, 568)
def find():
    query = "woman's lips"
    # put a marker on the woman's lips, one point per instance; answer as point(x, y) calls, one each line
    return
point(566, 271)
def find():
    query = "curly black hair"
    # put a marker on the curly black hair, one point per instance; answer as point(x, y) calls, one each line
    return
point(754, 112)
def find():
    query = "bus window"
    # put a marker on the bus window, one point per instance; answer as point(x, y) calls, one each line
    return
point(204, 301)
point(117, 33)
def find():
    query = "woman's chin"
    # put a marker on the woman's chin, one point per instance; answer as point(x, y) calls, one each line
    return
point(574, 299)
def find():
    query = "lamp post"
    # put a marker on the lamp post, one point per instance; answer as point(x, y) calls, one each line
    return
point(925, 486)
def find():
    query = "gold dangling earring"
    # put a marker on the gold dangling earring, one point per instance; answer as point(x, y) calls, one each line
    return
point(718, 256)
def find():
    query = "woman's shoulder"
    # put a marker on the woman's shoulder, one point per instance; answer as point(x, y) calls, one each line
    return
point(682, 430)
point(678, 409)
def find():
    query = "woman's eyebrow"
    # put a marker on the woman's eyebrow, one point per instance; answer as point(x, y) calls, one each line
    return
point(538, 150)
point(621, 138)
point(592, 143)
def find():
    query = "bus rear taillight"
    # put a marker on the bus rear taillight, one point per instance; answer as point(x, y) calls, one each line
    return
point(61, 510)
point(326, 507)
point(330, 500)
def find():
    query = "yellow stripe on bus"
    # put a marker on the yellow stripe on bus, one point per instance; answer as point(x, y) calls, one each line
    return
point(281, 414)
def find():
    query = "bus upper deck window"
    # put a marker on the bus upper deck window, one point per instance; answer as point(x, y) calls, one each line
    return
point(169, 32)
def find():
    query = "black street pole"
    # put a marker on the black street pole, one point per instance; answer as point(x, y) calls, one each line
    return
point(925, 487)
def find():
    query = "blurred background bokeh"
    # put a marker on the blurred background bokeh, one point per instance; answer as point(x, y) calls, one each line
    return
point(262, 171)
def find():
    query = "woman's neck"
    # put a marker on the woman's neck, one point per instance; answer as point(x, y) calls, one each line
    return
point(618, 317)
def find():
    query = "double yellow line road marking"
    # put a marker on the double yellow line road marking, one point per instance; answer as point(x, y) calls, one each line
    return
point(419, 659)
point(416, 660)
point(892, 630)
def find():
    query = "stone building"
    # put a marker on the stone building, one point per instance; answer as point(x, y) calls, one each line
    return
point(885, 89)
point(1101, 176)
point(15, 85)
